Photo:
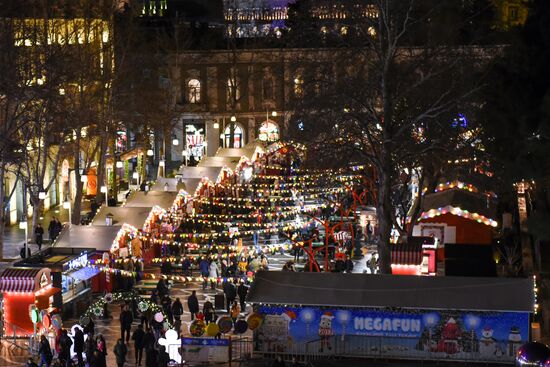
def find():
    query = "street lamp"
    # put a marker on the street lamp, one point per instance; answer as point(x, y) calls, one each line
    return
point(119, 164)
point(150, 152)
point(84, 178)
point(175, 141)
point(233, 119)
point(216, 125)
point(41, 195)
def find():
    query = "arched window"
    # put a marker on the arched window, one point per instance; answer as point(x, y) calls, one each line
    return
point(269, 131)
point(194, 91)
point(238, 136)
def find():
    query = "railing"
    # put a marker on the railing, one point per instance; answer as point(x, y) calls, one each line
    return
point(492, 351)
point(241, 349)
point(19, 338)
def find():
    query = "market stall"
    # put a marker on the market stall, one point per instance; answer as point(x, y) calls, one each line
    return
point(117, 216)
point(457, 214)
point(148, 199)
point(22, 288)
point(384, 316)
point(69, 272)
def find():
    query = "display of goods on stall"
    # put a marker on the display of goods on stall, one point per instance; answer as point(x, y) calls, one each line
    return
point(197, 328)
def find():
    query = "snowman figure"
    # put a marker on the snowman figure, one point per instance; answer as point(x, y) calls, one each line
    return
point(487, 345)
point(514, 341)
point(325, 330)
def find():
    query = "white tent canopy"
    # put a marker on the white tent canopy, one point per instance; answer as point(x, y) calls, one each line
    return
point(148, 199)
point(99, 237)
point(211, 173)
point(134, 216)
point(162, 181)
point(229, 162)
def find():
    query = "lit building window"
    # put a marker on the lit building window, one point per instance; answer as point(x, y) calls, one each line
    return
point(194, 91)
point(237, 136)
point(344, 30)
point(233, 92)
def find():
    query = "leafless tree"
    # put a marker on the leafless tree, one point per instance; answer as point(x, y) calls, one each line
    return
point(386, 93)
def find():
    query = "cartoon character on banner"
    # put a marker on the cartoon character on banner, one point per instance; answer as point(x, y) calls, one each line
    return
point(172, 343)
point(275, 332)
point(514, 341)
point(450, 334)
point(487, 345)
point(325, 331)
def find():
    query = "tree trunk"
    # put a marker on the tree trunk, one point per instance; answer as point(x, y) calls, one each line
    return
point(36, 204)
point(75, 215)
point(99, 197)
point(384, 216)
point(2, 208)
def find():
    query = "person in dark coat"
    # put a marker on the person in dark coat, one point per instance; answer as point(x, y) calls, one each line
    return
point(39, 236)
point(139, 340)
point(90, 347)
point(51, 229)
point(162, 357)
point(120, 351)
point(230, 293)
point(126, 320)
point(208, 311)
point(242, 291)
point(204, 267)
point(90, 329)
point(65, 344)
point(45, 352)
point(162, 288)
point(177, 310)
point(151, 357)
point(149, 340)
point(79, 346)
point(193, 304)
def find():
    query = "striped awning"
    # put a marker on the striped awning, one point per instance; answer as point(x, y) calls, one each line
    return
point(406, 254)
point(19, 279)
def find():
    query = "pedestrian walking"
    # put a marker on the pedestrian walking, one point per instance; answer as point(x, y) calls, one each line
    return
point(65, 344)
point(149, 340)
point(204, 268)
point(126, 320)
point(242, 291)
point(208, 311)
point(120, 351)
point(162, 357)
point(79, 346)
point(162, 288)
point(90, 347)
point(139, 340)
point(51, 230)
point(167, 308)
point(39, 236)
point(177, 311)
point(101, 346)
point(230, 293)
point(213, 273)
point(193, 304)
point(45, 352)
point(151, 357)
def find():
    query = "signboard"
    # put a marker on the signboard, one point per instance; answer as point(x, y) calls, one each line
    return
point(205, 350)
point(398, 333)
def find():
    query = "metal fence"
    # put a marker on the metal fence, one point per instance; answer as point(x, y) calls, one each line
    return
point(360, 346)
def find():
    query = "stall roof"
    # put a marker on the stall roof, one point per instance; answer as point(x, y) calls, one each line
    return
point(417, 292)
point(211, 173)
point(190, 185)
point(134, 216)
point(144, 199)
point(229, 162)
point(460, 198)
point(161, 181)
point(97, 237)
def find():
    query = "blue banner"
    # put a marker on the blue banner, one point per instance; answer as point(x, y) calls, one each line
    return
point(205, 342)
point(491, 335)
